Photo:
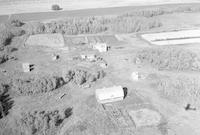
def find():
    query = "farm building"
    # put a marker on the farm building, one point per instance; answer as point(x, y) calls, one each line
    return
point(111, 94)
point(173, 38)
point(47, 40)
point(26, 67)
point(101, 47)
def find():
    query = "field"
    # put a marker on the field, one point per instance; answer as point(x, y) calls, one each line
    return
point(56, 96)
point(22, 6)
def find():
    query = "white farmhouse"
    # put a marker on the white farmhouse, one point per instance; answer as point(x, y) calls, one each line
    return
point(111, 94)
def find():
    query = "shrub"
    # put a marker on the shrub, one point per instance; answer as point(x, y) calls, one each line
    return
point(5, 35)
point(166, 58)
point(40, 122)
point(7, 32)
point(3, 58)
point(34, 85)
point(81, 75)
point(16, 22)
point(5, 100)
point(55, 7)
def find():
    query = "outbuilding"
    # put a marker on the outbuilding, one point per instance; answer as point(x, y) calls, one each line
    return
point(111, 94)
point(101, 47)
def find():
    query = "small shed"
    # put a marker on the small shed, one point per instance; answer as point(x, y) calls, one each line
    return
point(101, 47)
point(135, 76)
point(111, 94)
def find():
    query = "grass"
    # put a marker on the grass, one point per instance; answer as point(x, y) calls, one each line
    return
point(181, 89)
point(169, 58)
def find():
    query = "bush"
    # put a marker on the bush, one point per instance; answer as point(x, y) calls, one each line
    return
point(16, 23)
point(5, 35)
point(36, 84)
point(5, 100)
point(3, 58)
point(55, 7)
point(44, 122)
point(169, 59)
point(80, 76)
point(7, 32)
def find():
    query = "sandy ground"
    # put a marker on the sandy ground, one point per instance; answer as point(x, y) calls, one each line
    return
point(22, 6)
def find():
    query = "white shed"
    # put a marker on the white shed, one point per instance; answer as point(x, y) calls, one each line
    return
point(111, 94)
point(135, 76)
point(26, 67)
point(101, 47)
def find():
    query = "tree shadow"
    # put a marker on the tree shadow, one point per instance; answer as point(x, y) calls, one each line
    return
point(125, 89)
point(68, 112)
point(6, 103)
point(188, 107)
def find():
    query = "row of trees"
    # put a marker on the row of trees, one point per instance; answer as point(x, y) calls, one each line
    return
point(167, 58)
point(154, 11)
point(92, 25)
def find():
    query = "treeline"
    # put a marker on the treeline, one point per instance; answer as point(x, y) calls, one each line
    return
point(156, 11)
point(93, 25)
point(169, 58)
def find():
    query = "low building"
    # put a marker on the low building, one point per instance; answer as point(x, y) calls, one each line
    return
point(91, 57)
point(101, 47)
point(26, 67)
point(111, 94)
point(135, 76)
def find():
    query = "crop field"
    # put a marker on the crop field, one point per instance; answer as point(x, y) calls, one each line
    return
point(52, 63)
